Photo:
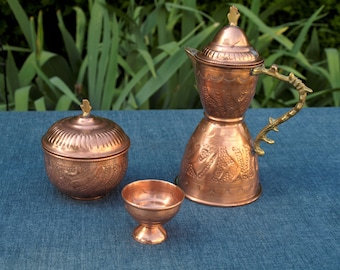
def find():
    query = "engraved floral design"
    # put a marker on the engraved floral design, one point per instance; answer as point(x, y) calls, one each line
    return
point(206, 154)
point(227, 170)
point(224, 167)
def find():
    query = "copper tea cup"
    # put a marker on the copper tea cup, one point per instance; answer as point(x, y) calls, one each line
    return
point(152, 203)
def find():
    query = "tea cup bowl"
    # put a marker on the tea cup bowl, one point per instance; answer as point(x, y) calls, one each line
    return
point(152, 203)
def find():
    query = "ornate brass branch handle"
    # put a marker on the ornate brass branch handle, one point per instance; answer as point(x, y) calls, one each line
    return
point(273, 123)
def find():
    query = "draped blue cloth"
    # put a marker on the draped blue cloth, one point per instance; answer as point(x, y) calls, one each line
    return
point(295, 224)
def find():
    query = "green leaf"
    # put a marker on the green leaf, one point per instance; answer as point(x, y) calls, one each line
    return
point(21, 98)
point(134, 81)
point(22, 19)
point(150, 23)
point(292, 70)
point(264, 40)
point(190, 9)
point(333, 62)
point(80, 28)
point(313, 49)
point(163, 35)
point(284, 41)
point(125, 65)
point(33, 35)
point(40, 36)
point(170, 48)
point(168, 68)
point(112, 71)
point(303, 33)
point(148, 60)
point(103, 59)
point(64, 88)
point(71, 49)
point(12, 75)
point(64, 103)
point(39, 104)
point(94, 34)
point(15, 49)
point(82, 71)
point(27, 71)
point(268, 89)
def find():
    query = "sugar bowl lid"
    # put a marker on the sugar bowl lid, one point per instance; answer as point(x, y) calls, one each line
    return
point(85, 136)
point(230, 46)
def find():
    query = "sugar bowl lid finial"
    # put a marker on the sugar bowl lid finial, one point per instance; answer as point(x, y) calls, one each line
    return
point(86, 108)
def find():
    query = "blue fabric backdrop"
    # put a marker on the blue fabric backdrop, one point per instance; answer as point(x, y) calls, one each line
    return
point(295, 224)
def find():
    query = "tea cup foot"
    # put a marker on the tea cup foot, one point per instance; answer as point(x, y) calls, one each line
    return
point(150, 234)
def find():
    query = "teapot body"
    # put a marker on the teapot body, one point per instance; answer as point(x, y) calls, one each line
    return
point(219, 165)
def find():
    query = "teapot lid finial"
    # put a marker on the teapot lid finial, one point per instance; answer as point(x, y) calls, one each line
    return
point(233, 16)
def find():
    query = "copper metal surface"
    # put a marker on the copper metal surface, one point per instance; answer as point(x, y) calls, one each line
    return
point(152, 203)
point(85, 156)
point(220, 162)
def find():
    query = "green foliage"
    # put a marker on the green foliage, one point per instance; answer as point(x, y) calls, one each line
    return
point(31, 83)
point(301, 56)
point(128, 57)
point(131, 56)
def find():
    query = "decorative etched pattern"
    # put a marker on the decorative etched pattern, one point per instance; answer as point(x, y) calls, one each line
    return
point(85, 179)
point(209, 102)
point(245, 161)
point(218, 165)
point(227, 170)
point(224, 93)
point(205, 154)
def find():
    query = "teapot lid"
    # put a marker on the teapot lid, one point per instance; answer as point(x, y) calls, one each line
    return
point(230, 46)
point(85, 136)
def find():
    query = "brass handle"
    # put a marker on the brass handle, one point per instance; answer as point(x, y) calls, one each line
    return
point(273, 123)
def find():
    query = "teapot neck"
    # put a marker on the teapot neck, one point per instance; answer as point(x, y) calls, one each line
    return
point(235, 120)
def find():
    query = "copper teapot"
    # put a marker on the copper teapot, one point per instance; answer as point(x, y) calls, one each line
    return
point(220, 162)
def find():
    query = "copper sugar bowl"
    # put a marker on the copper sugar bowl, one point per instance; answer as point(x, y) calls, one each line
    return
point(220, 162)
point(85, 156)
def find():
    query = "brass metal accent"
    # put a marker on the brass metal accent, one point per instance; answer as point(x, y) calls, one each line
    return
point(85, 156)
point(273, 123)
point(152, 203)
point(233, 16)
point(220, 162)
point(86, 107)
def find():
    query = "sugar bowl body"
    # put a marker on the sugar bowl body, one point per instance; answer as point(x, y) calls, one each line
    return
point(85, 156)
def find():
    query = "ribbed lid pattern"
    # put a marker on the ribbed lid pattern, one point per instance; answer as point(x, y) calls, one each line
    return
point(85, 137)
point(230, 46)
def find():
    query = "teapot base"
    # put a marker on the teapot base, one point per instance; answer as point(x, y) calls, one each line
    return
point(226, 204)
point(219, 166)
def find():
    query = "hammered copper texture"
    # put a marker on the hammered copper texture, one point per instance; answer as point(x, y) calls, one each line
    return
point(85, 179)
point(218, 166)
point(152, 203)
point(86, 156)
point(220, 163)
